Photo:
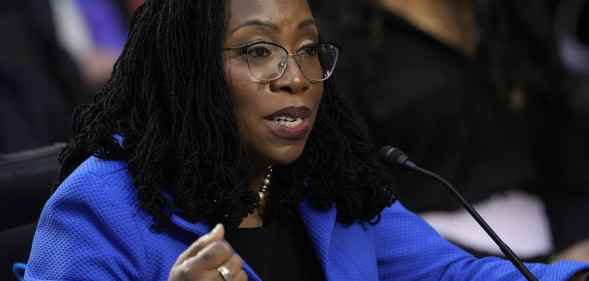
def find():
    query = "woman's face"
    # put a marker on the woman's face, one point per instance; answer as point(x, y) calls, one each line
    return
point(274, 117)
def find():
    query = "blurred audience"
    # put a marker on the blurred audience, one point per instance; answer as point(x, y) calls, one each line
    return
point(93, 33)
point(54, 55)
point(477, 91)
point(39, 82)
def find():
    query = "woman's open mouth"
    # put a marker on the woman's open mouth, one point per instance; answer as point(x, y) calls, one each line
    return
point(291, 123)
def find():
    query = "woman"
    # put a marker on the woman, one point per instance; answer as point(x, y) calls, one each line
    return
point(213, 116)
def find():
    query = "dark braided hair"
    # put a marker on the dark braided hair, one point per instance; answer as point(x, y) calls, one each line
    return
point(168, 100)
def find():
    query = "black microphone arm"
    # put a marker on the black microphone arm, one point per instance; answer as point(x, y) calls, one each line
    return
point(395, 156)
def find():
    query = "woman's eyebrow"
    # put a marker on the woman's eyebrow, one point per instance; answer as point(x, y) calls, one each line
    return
point(255, 22)
point(307, 22)
point(271, 25)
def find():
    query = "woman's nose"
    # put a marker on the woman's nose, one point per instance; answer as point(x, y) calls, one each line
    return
point(292, 81)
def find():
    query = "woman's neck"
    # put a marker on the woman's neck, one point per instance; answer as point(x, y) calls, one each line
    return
point(450, 21)
point(257, 174)
point(255, 182)
point(253, 220)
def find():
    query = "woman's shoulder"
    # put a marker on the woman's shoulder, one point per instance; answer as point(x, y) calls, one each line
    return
point(100, 167)
point(97, 193)
point(92, 216)
point(97, 182)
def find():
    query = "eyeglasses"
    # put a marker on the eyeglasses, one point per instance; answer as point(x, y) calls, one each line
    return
point(268, 61)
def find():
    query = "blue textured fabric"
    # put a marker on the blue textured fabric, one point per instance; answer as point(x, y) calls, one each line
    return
point(93, 229)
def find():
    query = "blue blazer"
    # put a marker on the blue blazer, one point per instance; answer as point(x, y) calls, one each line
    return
point(93, 229)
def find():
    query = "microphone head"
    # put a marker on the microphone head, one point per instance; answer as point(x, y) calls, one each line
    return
point(393, 155)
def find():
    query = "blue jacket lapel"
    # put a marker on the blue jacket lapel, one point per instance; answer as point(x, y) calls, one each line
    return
point(320, 226)
point(345, 252)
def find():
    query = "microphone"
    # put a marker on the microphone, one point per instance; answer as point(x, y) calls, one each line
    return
point(395, 156)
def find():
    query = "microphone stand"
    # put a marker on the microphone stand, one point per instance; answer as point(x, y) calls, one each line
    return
point(396, 156)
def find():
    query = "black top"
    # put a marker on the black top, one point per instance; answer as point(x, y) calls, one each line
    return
point(279, 250)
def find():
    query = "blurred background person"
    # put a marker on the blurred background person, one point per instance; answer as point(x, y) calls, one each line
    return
point(477, 91)
point(572, 34)
point(93, 33)
point(54, 55)
point(39, 82)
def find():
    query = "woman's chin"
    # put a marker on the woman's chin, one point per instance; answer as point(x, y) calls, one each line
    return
point(285, 155)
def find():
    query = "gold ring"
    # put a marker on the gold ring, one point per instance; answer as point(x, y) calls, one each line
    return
point(225, 273)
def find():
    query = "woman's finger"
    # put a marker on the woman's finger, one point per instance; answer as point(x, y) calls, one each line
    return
point(241, 276)
point(217, 234)
point(210, 258)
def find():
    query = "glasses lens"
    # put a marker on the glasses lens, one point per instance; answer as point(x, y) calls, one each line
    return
point(266, 61)
point(318, 62)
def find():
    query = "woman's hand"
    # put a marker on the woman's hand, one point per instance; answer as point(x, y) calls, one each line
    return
point(207, 258)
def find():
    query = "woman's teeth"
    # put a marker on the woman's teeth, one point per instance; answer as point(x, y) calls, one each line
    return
point(288, 121)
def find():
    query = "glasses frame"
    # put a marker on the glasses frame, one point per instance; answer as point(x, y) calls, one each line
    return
point(243, 52)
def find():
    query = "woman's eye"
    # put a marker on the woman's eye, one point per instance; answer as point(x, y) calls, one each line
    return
point(311, 51)
point(258, 52)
